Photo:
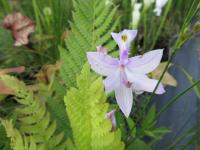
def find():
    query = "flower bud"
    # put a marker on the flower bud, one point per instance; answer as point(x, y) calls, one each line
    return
point(136, 15)
point(159, 5)
point(47, 11)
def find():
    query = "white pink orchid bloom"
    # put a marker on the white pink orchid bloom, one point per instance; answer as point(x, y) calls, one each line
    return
point(126, 75)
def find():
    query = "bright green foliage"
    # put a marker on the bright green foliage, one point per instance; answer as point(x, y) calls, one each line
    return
point(149, 128)
point(18, 141)
point(93, 21)
point(86, 107)
point(33, 118)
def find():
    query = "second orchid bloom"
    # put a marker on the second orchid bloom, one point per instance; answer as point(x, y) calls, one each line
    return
point(126, 75)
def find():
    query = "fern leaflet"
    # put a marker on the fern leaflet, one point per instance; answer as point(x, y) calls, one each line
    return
point(18, 141)
point(93, 21)
point(33, 118)
point(86, 107)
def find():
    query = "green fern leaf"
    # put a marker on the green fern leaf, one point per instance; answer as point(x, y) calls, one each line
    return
point(93, 21)
point(4, 141)
point(18, 141)
point(56, 107)
point(86, 107)
point(33, 117)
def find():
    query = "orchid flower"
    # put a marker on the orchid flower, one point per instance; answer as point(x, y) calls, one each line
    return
point(126, 75)
point(159, 5)
point(136, 15)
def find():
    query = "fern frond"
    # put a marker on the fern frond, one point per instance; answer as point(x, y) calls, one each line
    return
point(33, 117)
point(18, 141)
point(93, 21)
point(57, 108)
point(86, 107)
point(4, 140)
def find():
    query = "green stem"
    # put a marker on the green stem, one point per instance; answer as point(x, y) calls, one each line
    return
point(7, 7)
point(38, 24)
point(145, 29)
point(161, 24)
point(174, 99)
point(181, 138)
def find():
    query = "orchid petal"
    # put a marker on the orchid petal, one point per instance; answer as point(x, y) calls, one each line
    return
point(124, 97)
point(143, 83)
point(124, 44)
point(101, 49)
point(117, 38)
point(124, 57)
point(112, 82)
point(137, 92)
point(111, 116)
point(148, 85)
point(131, 35)
point(145, 63)
point(101, 63)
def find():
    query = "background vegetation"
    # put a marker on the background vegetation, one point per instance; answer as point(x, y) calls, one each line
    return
point(54, 105)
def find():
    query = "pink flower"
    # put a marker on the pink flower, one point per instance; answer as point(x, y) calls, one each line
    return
point(111, 115)
point(126, 75)
point(124, 38)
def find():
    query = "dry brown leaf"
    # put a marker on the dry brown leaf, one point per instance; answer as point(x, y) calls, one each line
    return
point(47, 72)
point(4, 90)
point(12, 70)
point(168, 79)
point(20, 26)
